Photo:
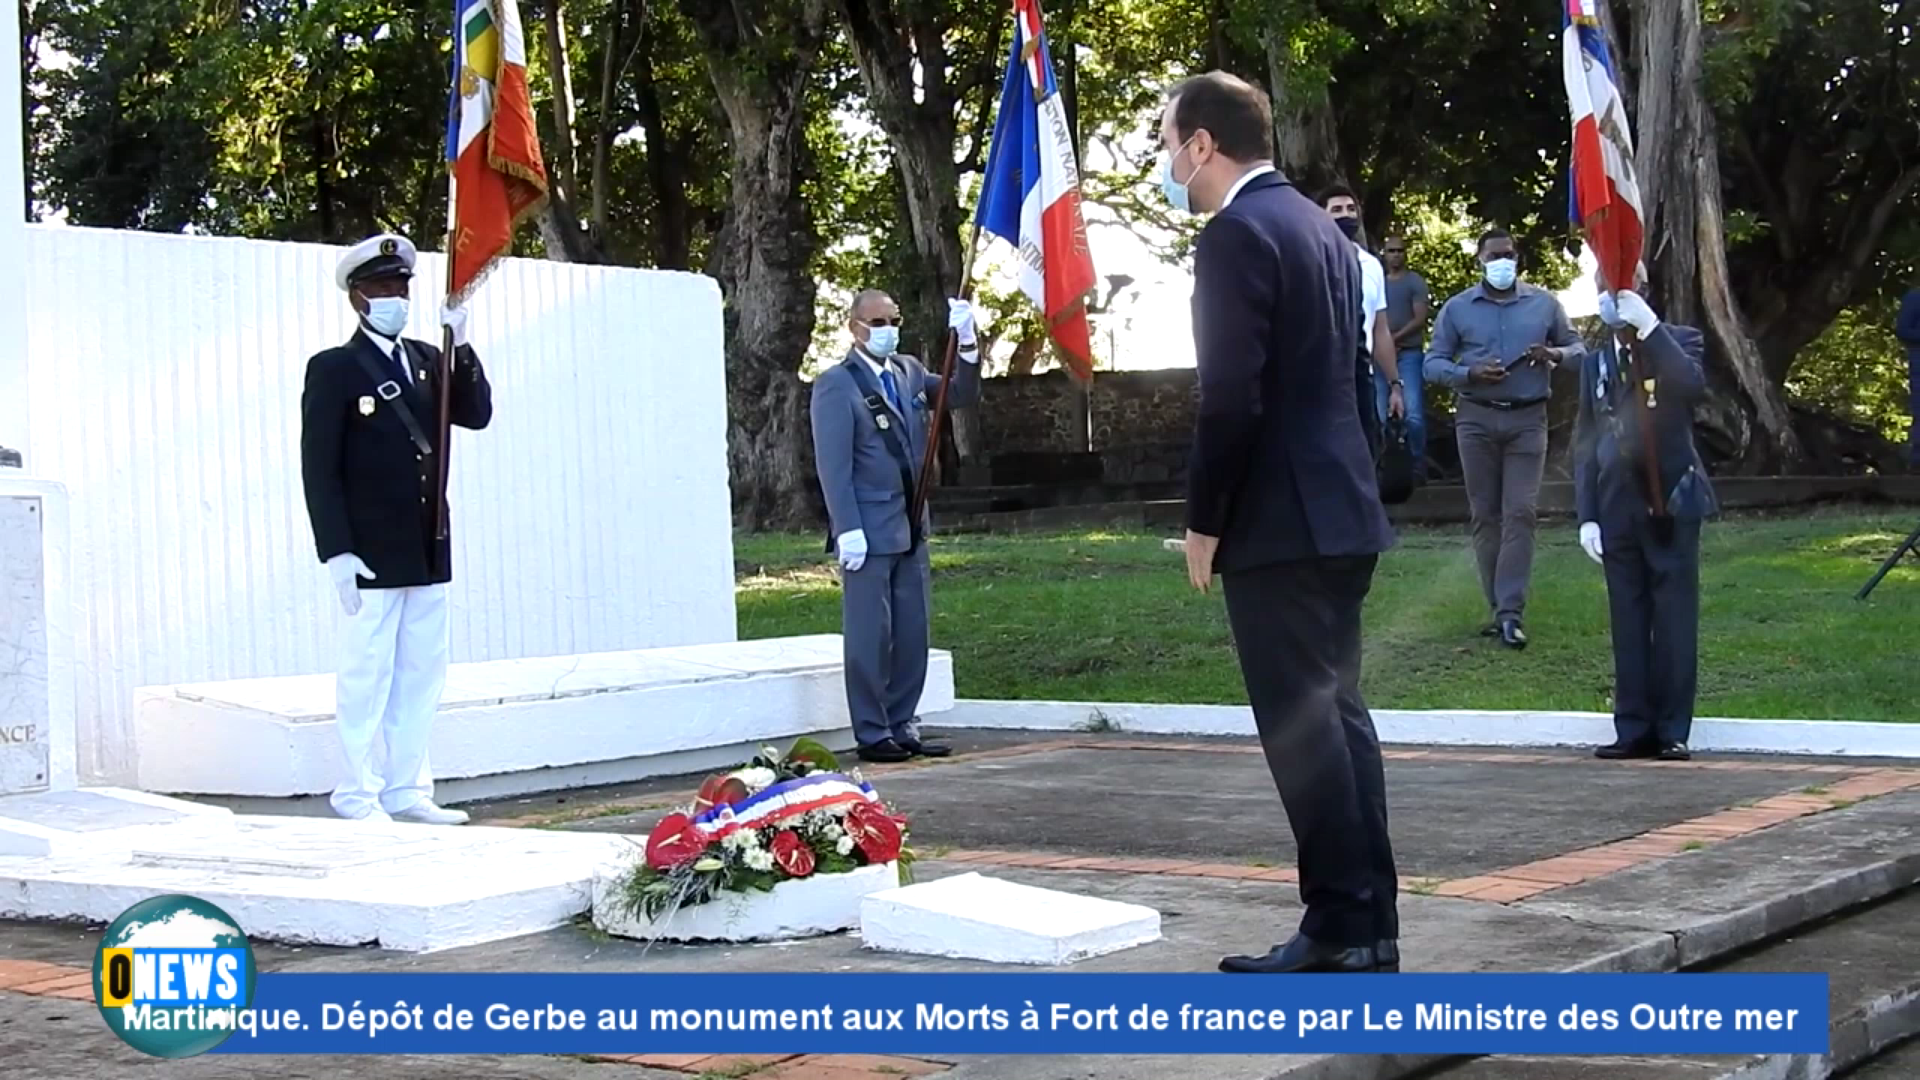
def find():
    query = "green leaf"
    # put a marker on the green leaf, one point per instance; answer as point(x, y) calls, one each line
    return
point(813, 751)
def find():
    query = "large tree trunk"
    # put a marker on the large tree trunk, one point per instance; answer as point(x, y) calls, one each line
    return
point(904, 67)
point(761, 55)
point(1678, 166)
point(1306, 143)
point(667, 154)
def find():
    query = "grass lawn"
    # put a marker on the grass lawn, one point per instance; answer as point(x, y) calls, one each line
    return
point(1107, 616)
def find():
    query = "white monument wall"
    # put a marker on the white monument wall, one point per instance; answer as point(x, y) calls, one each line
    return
point(164, 376)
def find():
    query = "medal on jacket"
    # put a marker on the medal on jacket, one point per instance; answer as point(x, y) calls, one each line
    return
point(1652, 402)
point(366, 406)
point(883, 422)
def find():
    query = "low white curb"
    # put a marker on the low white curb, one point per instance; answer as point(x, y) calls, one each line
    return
point(1450, 727)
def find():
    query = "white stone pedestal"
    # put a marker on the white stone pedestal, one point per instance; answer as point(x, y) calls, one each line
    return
point(803, 907)
point(971, 917)
point(36, 647)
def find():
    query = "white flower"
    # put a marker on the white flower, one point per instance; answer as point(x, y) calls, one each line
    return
point(756, 779)
point(759, 859)
point(742, 840)
point(844, 845)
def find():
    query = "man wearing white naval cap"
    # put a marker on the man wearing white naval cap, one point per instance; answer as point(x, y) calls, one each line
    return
point(369, 457)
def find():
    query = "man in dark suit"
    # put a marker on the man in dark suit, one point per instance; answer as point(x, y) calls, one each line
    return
point(1641, 521)
point(369, 453)
point(1282, 502)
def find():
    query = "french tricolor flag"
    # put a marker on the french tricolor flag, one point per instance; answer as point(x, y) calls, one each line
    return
point(1032, 194)
point(1605, 199)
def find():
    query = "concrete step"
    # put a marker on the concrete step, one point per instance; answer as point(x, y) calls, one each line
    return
point(1867, 955)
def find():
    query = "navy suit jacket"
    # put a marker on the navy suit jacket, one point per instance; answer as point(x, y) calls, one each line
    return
point(1609, 476)
point(1280, 467)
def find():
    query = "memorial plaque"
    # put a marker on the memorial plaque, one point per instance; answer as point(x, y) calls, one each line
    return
point(24, 722)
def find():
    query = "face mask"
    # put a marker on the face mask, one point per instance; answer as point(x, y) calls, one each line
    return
point(1501, 272)
point(1609, 314)
point(882, 340)
point(1175, 191)
point(1348, 225)
point(387, 315)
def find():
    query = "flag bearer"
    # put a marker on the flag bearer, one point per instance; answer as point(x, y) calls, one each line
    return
point(369, 452)
point(871, 415)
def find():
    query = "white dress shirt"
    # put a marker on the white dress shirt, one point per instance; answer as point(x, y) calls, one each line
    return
point(387, 345)
point(1258, 170)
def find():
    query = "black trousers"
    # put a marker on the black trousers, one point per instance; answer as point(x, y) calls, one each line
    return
point(1653, 598)
point(1297, 629)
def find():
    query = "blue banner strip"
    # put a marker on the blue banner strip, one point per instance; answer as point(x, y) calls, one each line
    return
point(1032, 1013)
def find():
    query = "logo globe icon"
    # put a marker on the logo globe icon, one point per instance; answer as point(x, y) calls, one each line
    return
point(179, 1029)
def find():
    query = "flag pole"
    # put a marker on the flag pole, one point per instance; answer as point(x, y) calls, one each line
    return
point(444, 377)
point(924, 487)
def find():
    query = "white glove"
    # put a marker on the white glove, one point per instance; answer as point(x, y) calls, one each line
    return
point(344, 570)
point(1590, 539)
point(1635, 312)
point(960, 320)
point(853, 549)
point(455, 319)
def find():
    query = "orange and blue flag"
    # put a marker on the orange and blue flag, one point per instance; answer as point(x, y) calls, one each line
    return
point(493, 148)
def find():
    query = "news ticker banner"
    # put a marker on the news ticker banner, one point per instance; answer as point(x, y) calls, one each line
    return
point(175, 978)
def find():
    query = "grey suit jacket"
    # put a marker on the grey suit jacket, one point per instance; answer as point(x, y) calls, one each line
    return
point(1609, 451)
point(867, 472)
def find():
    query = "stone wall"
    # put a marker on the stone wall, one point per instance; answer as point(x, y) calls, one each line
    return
point(1142, 421)
point(1044, 413)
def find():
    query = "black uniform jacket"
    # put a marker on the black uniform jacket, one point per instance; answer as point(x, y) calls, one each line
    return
point(370, 490)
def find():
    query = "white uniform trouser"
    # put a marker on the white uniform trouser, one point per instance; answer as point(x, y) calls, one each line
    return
point(393, 666)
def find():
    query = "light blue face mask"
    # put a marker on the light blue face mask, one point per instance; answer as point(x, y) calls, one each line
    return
point(1501, 272)
point(1609, 314)
point(883, 340)
point(1175, 191)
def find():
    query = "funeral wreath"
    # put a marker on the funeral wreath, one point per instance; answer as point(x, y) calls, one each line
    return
point(778, 818)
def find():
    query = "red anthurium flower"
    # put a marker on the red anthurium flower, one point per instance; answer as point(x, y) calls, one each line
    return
point(674, 842)
point(877, 835)
point(792, 854)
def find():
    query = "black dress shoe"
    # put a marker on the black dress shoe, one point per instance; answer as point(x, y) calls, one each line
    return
point(920, 749)
point(1620, 750)
point(1511, 635)
point(1674, 752)
point(1386, 955)
point(886, 750)
point(1303, 956)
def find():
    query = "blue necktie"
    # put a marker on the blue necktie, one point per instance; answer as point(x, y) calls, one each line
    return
point(893, 391)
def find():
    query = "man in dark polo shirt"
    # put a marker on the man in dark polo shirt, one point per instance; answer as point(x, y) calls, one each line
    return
point(1496, 345)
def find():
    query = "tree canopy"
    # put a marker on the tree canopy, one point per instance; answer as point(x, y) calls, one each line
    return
point(798, 149)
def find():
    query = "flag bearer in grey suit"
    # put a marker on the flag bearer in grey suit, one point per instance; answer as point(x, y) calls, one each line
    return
point(871, 414)
point(1636, 404)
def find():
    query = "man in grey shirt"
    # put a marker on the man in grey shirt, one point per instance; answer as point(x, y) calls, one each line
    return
point(1407, 311)
point(1496, 344)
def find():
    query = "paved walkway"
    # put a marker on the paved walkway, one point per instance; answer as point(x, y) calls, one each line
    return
point(1540, 861)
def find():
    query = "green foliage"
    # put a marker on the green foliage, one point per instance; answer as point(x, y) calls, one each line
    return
point(1857, 370)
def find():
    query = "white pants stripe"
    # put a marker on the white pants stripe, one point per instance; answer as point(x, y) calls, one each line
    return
point(393, 667)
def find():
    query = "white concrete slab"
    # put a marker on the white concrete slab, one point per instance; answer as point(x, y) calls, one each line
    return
point(94, 820)
point(413, 888)
point(1453, 727)
point(37, 738)
point(970, 916)
point(806, 907)
point(508, 727)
